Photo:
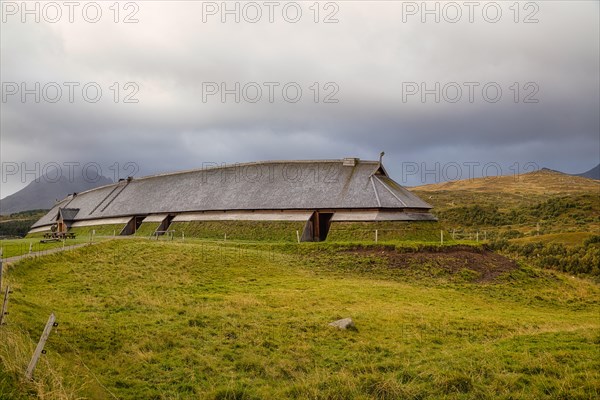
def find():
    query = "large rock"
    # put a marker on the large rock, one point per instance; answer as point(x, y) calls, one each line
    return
point(345, 323)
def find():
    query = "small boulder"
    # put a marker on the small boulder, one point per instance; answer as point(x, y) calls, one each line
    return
point(345, 323)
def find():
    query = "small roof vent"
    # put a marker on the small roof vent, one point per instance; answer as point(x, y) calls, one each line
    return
point(350, 161)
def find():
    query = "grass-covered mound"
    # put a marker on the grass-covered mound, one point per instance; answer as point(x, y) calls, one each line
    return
point(274, 231)
point(425, 231)
point(35, 235)
point(147, 228)
point(100, 230)
point(147, 319)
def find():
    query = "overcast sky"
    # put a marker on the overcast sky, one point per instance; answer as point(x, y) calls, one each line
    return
point(362, 68)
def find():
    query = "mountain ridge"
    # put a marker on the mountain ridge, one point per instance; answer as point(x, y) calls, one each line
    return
point(43, 193)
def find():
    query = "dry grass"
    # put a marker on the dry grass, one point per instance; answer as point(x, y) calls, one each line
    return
point(543, 183)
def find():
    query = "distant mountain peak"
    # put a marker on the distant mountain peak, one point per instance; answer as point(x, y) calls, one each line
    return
point(43, 193)
point(593, 173)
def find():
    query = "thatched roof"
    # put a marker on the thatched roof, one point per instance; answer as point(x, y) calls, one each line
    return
point(273, 185)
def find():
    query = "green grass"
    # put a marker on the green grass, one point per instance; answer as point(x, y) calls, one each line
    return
point(425, 231)
point(100, 230)
point(567, 238)
point(147, 228)
point(17, 247)
point(275, 231)
point(173, 320)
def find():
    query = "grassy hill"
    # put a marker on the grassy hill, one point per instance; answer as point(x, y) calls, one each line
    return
point(546, 218)
point(532, 186)
point(18, 224)
point(207, 320)
point(539, 202)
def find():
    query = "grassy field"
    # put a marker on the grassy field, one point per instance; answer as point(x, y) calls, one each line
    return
point(143, 319)
point(17, 247)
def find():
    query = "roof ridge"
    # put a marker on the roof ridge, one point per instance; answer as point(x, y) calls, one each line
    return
point(188, 171)
point(245, 164)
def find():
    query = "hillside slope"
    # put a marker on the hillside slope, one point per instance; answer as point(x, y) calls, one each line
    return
point(529, 187)
point(543, 201)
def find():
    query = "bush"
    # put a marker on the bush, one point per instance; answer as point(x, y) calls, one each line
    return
point(583, 259)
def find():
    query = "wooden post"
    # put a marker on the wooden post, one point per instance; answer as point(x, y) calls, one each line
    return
point(1, 269)
point(182, 236)
point(298, 236)
point(442, 237)
point(477, 237)
point(30, 244)
point(4, 305)
point(114, 232)
point(40, 347)
point(225, 237)
point(376, 235)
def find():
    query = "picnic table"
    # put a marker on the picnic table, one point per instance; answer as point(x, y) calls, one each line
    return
point(55, 236)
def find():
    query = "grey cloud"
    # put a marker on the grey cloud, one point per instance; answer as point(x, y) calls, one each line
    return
point(369, 54)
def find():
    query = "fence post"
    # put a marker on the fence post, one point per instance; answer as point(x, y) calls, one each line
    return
point(182, 236)
point(225, 237)
point(30, 244)
point(4, 305)
point(477, 237)
point(1, 269)
point(442, 237)
point(39, 350)
point(376, 235)
point(298, 236)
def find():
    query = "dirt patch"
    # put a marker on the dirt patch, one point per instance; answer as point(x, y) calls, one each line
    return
point(485, 265)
